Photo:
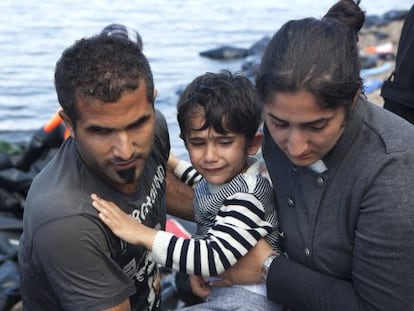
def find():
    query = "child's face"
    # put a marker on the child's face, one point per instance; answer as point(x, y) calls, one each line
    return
point(218, 157)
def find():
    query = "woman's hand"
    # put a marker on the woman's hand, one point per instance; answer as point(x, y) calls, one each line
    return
point(248, 270)
point(199, 286)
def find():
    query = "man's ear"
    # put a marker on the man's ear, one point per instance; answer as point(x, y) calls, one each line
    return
point(68, 122)
point(255, 143)
point(155, 94)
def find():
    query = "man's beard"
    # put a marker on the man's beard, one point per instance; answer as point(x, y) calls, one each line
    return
point(128, 175)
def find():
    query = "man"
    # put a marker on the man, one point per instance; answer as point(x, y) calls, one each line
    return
point(54, 132)
point(118, 147)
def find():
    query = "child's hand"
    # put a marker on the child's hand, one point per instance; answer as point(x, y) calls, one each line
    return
point(123, 225)
point(172, 161)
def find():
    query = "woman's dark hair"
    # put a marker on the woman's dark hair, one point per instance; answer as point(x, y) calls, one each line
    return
point(316, 55)
point(226, 101)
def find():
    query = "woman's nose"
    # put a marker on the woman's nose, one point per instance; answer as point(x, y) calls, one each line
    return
point(297, 143)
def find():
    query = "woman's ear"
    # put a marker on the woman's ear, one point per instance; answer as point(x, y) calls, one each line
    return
point(356, 98)
point(68, 122)
point(255, 143)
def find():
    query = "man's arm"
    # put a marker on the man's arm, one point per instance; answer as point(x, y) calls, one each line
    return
point(124, 306)
point(179, 198)
point(74, 255)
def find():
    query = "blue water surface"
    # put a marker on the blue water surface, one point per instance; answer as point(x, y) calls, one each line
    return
point(34, 33)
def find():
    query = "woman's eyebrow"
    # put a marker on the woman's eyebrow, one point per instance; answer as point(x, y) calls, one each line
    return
point(274, 117)
point(318, 121)
point(323, 119)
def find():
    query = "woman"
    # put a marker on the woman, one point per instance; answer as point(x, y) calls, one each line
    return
point(342, 170)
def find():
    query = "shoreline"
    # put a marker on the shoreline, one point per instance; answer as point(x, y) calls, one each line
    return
point(369, 37)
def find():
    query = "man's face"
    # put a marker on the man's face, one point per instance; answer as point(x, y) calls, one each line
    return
point(304, 130)
point(115, 139)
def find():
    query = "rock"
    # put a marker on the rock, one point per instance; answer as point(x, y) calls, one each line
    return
point(369, 37)
point(396, 15)
point(259, 46)
point(225, 52)
point(368, 61)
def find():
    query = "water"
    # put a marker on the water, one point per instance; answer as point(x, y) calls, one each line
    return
point(34, 33)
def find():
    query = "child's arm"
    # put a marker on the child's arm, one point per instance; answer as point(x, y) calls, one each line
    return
point(183, 170)
point(238, 226)
point(123, 225)
point(240, 223)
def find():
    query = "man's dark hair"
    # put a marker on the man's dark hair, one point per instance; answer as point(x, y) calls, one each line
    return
point(102, 68)
point(227, 102)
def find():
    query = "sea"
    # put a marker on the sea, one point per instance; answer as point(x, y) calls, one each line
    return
point(33, 35)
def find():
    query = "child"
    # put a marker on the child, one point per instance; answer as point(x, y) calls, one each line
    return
point(219, 115)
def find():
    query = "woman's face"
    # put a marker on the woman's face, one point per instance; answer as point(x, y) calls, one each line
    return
point(301, 128)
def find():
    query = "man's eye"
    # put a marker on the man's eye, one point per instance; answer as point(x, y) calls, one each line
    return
point(101, 131)
point(139, 123)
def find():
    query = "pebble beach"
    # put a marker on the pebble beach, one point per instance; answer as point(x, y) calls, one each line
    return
point(390, 33)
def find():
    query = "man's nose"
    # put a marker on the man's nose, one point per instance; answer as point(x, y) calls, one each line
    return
point(123, 147)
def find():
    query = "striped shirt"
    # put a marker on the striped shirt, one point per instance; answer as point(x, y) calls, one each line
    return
point(230, 219)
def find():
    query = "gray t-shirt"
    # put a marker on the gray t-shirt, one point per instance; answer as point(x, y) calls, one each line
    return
point(69, 259)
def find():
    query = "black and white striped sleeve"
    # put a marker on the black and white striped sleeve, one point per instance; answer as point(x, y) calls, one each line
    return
point(187, 173)
point(240, 223)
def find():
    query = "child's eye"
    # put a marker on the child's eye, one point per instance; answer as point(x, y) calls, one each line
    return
point(225, 142)
point(196, 143)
